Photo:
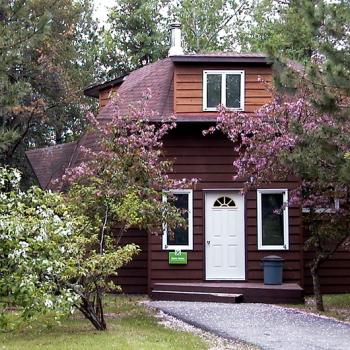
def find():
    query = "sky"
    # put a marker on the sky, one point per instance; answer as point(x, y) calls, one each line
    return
point(101, 9)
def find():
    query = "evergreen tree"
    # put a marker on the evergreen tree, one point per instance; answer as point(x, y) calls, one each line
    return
point(18, 31)
point(47, 56)
point(277, 27)
point(137, 35)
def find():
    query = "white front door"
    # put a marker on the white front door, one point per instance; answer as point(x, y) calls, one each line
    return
point(224, 235)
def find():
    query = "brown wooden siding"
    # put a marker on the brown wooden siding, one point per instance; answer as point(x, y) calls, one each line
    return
point(334, 273)
point(106, 95)
point(210, 159)
point(133, 277)
point(188, 86)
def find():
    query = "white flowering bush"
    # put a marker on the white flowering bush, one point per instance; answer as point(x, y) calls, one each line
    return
point(50, 255)
point(36, 233)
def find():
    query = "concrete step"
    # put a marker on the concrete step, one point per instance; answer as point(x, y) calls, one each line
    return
point(196, 296)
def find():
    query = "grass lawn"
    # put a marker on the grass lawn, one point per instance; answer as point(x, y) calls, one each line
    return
point(336, 305)
point(130, 326)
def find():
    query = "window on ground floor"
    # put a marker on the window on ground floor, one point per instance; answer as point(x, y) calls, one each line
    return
point(182, 237)
point(272, 216)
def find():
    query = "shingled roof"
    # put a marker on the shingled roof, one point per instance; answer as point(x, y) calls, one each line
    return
point(157, 79)
point(49, 163)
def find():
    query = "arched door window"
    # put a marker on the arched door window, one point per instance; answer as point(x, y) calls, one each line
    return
point(224, 202)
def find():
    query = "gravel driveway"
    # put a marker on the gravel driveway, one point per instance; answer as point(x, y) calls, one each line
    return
point(268, 326)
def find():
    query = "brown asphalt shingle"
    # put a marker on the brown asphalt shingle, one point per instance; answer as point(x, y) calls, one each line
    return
point(156, 79)
point(49, 163)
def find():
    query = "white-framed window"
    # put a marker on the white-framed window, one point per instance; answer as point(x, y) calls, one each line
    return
point(182, 237)
point(272, 215)
point(224, 87)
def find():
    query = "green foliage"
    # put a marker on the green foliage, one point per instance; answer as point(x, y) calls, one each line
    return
point(36, 233)
point(136, 35)
point(328, 71)
point(47, 55)
point(132, 209)
point(50, 253)
point(278, 28)
point(210, 25)
point(314, 34)
point(138, 30)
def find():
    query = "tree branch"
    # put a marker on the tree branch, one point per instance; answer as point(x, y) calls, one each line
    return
point(103, 229)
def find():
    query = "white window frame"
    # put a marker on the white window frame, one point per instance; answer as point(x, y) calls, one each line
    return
point(224, 73)
point(190, 222)
point(285, 220)
point(325, 210)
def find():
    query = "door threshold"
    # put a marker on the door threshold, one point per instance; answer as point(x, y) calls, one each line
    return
point(226, 279)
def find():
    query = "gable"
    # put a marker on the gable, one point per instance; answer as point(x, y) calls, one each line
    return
point(106, 95)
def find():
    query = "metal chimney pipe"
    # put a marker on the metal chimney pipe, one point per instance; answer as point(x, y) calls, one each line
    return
point(175, 48)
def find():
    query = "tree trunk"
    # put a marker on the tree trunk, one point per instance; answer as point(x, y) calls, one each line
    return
point(317, 285)
point(99, 311)
point(321, 256)
point(96, 318)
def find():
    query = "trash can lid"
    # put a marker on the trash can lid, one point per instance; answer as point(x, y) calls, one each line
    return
point(272, 258)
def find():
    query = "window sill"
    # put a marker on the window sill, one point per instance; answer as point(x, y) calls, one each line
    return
point(269, 247)
point(229, 109)
point(178, 247)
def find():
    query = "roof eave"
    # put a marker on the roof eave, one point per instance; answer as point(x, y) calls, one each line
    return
point(94, 90)
point(222, 59)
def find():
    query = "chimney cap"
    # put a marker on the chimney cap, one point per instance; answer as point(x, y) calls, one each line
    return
point(175, 24)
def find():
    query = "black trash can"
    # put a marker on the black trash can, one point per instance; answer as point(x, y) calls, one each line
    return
point(273, 269)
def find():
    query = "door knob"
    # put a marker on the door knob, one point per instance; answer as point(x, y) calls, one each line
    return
point(208, 242)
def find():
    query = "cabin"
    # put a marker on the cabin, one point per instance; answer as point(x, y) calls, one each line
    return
point(218, 256)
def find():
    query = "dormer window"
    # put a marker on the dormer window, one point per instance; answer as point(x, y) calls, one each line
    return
point(223, 87)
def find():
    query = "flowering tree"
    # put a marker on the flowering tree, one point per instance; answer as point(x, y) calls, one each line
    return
point(64, 248)
point(289, 137)
point(47, 260)
point(36, 233)
point(119, 185)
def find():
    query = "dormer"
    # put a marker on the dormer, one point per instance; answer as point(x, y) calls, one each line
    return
point(192, 86)
point(236, 81)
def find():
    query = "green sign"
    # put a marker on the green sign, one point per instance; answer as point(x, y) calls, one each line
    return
point(177, 258)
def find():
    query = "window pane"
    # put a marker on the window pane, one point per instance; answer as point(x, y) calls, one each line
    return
point(233, 90)
point(213, 90)
point(180, 235)
point(272, 222)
